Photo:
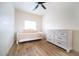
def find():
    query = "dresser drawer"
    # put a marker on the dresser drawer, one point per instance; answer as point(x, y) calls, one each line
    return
point(64, 39)
point(61, 33)
point(61, 43)
point(62, 36)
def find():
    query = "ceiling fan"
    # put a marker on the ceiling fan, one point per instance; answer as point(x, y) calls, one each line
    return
point(40, 3)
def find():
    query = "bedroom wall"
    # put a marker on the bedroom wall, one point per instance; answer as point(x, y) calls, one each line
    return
point(7, 20)
point(63, 16)
point(21, 16)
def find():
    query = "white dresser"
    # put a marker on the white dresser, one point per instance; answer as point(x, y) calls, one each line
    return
point(61, 38)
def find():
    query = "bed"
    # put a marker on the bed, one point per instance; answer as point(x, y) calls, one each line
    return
point(28, 35)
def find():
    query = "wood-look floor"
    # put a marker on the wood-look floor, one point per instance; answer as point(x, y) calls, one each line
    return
point(38, 48)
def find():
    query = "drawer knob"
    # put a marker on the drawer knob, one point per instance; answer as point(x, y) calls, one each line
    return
point(59, 42)
point(59, 38)
point(62, 34)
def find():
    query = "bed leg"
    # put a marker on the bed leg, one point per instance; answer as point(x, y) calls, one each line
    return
point(17, 42)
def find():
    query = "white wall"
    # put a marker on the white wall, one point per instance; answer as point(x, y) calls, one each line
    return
point(21, 16)
point(63, 16)
point(6, 27)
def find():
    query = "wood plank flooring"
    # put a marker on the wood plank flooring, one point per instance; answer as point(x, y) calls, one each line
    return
point(38, 48)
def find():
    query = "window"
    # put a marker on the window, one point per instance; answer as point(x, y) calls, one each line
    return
point(30, 24)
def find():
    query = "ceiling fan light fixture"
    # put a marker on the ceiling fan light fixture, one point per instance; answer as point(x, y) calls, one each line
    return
point(40, 3)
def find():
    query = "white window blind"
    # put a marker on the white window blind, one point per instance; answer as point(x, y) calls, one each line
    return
point(30, 24)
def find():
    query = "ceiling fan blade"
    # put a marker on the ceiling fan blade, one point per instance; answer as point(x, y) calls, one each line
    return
point(43, 6)
point(36, 7)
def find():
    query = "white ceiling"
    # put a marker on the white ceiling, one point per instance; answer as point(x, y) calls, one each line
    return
point(29, 6)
